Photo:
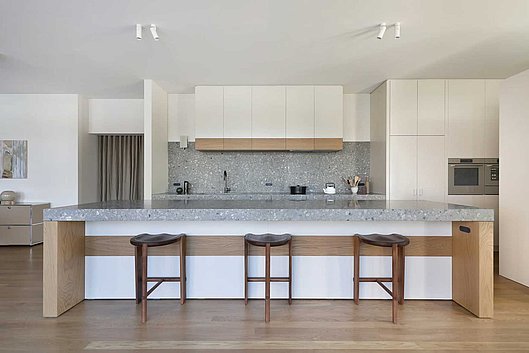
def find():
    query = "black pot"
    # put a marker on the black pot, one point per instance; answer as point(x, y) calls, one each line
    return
point(298, 190)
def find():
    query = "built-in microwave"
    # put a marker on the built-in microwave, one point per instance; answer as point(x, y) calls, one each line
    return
point(473, 176)
point(466, 176)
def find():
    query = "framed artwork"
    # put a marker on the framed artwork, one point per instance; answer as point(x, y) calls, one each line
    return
point(13, 159)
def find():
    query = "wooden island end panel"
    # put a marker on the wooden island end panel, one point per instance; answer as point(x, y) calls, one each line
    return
point(473, 267)
point(63, 266)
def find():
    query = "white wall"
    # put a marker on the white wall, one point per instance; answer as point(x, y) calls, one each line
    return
point(50, 124)
point(356, 111)
point(116, 116)
point(87, 156)
point(514, 186)
point(182, 117)
point(156, 169)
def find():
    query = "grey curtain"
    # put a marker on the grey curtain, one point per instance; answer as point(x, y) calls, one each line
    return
point(120, 167)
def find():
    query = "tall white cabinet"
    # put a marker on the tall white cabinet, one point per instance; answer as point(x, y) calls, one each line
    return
point(473, 118)
point(415, 152)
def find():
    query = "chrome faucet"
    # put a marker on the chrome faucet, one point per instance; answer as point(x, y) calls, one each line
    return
point(226, 188)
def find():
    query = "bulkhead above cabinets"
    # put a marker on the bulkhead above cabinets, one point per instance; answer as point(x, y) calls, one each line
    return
point(269, 118)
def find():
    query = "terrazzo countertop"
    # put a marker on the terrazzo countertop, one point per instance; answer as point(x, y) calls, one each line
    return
point(266, 196)
point(269, 210)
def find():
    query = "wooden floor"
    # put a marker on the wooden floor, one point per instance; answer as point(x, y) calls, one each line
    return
point(229, 326)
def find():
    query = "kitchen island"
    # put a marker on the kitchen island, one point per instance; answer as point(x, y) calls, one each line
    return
point(87, 254)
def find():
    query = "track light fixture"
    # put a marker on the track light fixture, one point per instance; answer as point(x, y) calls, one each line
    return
point(381, 30)
point(154, 32)
point(139, 32)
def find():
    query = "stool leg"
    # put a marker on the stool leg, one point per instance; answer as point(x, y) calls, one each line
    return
point(395, 281)
point(267, 283)
point(137, 272)
point(183, 274)
point(245, 272)
point(290, 272)
point(356, 279)
point(402, 273)
point(144, 284)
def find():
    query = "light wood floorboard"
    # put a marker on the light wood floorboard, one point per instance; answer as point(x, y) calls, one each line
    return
point(229, 326)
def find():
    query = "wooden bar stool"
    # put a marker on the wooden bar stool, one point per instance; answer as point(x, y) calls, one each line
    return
point(144, 241)
point(267, 241)
point(397, 243)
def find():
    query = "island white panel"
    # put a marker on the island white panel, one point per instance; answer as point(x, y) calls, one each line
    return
point(215, 277)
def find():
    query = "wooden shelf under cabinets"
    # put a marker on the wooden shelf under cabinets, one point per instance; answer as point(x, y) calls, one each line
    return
point(269, 144)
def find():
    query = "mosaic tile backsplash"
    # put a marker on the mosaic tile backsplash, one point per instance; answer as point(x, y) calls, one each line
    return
point(258, 172)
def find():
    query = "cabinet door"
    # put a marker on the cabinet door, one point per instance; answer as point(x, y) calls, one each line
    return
point(209, 117)
point(403, 107)
point(237, 117)
point(300, 118)
point(492, 114)
point(403, 168)
point(431, 107)
point(328, 114)
point(268, 117)
point(466, 114)
point(432, 168)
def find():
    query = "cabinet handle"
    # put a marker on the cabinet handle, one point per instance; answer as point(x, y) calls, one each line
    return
point(464, 229)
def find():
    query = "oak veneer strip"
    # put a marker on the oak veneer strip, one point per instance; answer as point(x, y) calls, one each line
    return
point(268, 144)
point(209, 144)
point(300, 144)
point(328, 144)
point(237, 144)
point(301, 246)
point(63, 267)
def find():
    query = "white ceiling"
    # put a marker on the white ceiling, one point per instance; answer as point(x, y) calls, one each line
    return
point(89, 46)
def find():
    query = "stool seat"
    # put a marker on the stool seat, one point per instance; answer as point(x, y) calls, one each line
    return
point(272, 239)
point(155, 239)
point(384, 240)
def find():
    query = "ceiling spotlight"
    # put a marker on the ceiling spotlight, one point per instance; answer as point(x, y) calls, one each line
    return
point(154, 32)
point(139, 32)
point(397, 30)
point(382, 30)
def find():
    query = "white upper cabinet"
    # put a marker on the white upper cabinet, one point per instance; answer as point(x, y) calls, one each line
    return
point(403, 168)
point(300, 112)
point(403, 107)
point(328, 111)
point(466, 114)
point(209, 112)
point(237, 112)
point(492, 117)
point(432, 169)
point(431, 107)
point(268, 112)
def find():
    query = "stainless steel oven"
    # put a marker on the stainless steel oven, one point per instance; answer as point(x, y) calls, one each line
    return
point(466, 176)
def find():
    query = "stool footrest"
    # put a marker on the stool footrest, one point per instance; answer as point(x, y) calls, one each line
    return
point(375, 279)
point(379, 281)
point(272, 279)
point(163, 279)
point(160, 280)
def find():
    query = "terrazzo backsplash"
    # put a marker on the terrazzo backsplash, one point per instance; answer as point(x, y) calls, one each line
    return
point(263, 172)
